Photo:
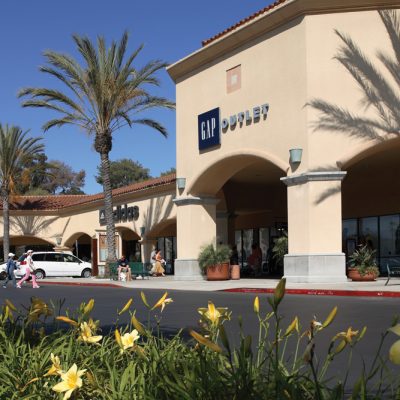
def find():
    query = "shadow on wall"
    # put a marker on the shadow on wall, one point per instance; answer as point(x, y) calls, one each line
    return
point(31, 225)
point(159, 210)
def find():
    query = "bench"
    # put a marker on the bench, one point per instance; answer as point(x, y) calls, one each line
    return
point(137, 268)
point(392, 271)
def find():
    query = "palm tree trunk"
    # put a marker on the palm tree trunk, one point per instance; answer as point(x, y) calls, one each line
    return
point(6, 222)
point(108, 210)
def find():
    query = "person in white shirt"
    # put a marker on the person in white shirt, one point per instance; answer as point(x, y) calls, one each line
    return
point(30, 271)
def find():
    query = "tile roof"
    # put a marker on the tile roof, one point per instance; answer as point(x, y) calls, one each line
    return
point(243, 22)
point(57, 202)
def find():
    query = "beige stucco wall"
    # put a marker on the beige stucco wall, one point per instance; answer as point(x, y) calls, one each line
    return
point(157, 214)
point(285, 67)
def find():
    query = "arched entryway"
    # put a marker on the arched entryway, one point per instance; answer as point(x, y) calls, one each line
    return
point(163, 236)
point(81, 245)
point(238, 200)
point(130, 245)
point(371, 203)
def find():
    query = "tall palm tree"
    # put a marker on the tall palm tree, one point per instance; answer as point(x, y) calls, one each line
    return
point(16, 150)
point(105, 93)
point(378, 90)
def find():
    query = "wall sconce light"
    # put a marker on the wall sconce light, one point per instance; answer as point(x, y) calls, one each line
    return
point(181, 183)
point(58, 241)
point(295, 156)
point(142, 230)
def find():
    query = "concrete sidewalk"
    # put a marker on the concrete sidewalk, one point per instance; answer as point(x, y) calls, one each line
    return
point(350, 288)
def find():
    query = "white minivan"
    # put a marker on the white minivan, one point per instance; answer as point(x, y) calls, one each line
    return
point(51, 263)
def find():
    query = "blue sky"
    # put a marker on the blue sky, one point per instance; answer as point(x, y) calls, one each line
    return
point(170, 30)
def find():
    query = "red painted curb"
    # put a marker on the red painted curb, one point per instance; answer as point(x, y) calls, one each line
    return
point(320, 292)
point(80, 284)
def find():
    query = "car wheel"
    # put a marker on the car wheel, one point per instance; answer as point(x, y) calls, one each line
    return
point(86, 273)
point(3, 275)
point(39, 274)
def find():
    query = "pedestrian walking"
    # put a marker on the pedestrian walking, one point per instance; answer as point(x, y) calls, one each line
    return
point(30, 271)
point(10, 270)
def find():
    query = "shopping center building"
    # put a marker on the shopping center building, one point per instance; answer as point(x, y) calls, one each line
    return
point(250, 163)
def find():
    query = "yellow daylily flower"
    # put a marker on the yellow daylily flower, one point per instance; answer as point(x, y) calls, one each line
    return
point(118, 337)
point(293, 326)
point(330, 317)
point(89, 307)
point(162, 302)
point(128, 340)
point(8, 313)
point(31, 381)
point(55, 369)
point(206, 342)
point(394, 353)
point(71, 380)
point(346, 336)
point(11, 305)
point(138, 325)
point(143, 296)
point(256, 305)
point(126, 306)
point(213, 314)
point(67, 320)
point(395, 329)
point(40, 307)
point(87, 334)
point(93, 325)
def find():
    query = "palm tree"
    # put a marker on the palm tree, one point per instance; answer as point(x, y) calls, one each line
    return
point(104, 94)
point(16, 150)
point(378, 89)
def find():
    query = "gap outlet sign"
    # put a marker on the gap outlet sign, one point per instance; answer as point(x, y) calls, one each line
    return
point(210, 124)
point(209, 130)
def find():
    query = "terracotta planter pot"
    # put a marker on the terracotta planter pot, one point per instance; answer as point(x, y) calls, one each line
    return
point(235, 272)
point(355, 276)
point(219, 272)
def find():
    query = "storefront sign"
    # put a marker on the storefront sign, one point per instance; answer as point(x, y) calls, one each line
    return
point(209, 124)
point(208, 128)
point(121, 214)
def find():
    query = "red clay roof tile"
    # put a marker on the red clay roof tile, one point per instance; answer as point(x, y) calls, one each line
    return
point(57, 202)
point(242, 22)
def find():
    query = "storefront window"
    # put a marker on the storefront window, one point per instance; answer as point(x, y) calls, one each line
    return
point(368, 234)
point(350, 236)
point(389, 231)
point(247, 242)
point(264, 242)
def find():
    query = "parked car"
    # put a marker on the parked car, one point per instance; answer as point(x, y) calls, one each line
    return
point(51, 263)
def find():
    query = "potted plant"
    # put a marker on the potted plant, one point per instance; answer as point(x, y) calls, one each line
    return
point(363, 265)
point(214, 262)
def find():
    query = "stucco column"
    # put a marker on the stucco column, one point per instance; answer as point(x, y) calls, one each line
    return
point(146, 247)
point(315, 228)
point(196, 226)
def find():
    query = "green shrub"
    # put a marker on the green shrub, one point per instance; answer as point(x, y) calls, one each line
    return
point(42, 359)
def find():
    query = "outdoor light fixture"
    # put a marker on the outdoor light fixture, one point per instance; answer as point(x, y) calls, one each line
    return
point(295, 156)
point(142, 230)
point(58, 241)
point(181, 183)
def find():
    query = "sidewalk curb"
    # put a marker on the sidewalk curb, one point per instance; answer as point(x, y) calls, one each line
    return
point(320, 292)
point(101, 284)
